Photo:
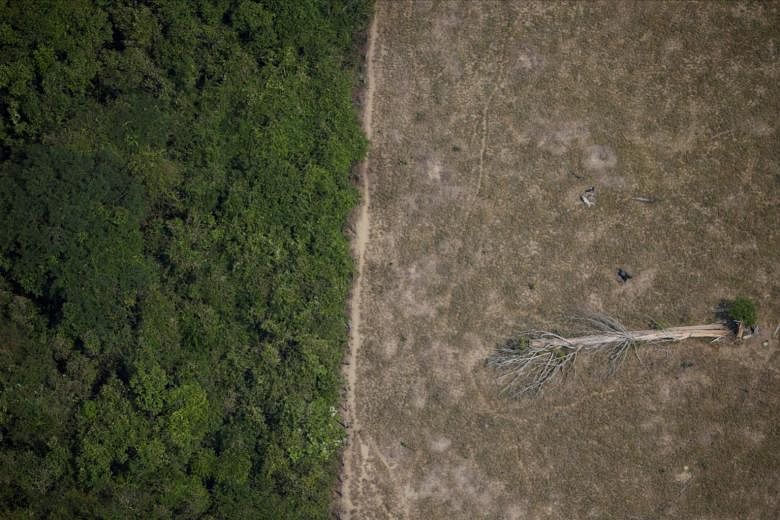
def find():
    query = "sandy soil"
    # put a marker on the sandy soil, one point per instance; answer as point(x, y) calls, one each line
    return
point(359, 243)
point(489, 120)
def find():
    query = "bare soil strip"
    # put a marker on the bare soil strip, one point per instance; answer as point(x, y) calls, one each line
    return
point(359, 244)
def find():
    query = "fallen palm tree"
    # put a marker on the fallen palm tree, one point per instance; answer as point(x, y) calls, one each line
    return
point(533, 360)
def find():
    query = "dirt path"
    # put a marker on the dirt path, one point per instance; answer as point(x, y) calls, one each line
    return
point(359, 244)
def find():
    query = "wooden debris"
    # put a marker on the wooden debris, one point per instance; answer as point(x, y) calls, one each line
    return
point(527, 364)
point(673, 334)
point(588, 197)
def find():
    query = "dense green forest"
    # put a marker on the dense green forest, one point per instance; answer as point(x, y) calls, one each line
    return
point(174, 186)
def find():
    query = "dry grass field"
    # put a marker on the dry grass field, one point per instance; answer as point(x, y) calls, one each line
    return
point(489, 121)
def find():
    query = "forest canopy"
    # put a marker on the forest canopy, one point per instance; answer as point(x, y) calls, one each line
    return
point(174, 186)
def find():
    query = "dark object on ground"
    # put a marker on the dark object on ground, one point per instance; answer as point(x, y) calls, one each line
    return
point(624, 276)
point(588, 197)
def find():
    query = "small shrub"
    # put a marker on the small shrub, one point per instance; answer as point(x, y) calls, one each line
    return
point(743, 310)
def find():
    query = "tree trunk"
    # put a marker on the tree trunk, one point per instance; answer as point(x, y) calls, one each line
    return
point(713, 330)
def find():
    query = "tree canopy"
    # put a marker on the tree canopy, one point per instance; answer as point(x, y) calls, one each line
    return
point(174, 185)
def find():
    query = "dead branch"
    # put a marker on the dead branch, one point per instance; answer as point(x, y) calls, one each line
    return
point(535, 359)
point(713, 330)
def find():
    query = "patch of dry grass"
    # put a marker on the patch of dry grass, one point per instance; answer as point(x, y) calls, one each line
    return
point(490, 120)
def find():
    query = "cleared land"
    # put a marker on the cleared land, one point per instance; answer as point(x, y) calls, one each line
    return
point(489, 120)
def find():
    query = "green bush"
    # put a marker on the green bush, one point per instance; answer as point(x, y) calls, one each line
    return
point(744, 311)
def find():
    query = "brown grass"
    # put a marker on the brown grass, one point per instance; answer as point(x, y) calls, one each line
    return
point(483, 114)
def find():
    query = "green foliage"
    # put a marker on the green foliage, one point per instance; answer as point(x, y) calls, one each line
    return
point(108, 430)
point(174, 182)
point(76, 243)
point(743, 310)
